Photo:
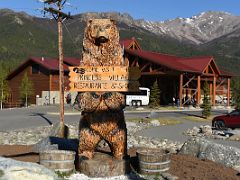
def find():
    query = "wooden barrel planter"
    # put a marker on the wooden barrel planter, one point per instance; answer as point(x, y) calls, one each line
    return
point(58, 160)
point(153, 161)
point(103, 165)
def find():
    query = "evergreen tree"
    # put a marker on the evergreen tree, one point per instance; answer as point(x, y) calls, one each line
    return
point(236, 92)
point(155, 95)
point(26, 89)
point(206, 101)
point(4, 88)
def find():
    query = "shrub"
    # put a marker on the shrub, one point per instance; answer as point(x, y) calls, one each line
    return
point(206, 101)
point(155, 95)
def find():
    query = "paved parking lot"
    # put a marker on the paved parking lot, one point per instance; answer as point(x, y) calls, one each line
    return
point(19, 118)
point(31, 117)
point(46, 115)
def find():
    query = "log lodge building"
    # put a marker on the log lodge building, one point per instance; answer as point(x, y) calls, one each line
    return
point(178, 77)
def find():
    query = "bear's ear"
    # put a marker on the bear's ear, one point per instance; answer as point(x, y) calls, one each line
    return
point(113, 21)
point(89, 21)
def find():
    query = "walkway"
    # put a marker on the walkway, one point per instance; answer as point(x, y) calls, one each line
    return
point(175, 132)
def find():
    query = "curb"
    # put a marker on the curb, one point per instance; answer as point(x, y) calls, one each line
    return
point(66, 113)
point(138, 111)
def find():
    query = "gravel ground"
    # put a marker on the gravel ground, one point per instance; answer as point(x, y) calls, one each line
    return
point(175, 133)
point(183, 166)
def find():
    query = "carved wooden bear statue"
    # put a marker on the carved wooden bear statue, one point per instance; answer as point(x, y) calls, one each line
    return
point(102, 112)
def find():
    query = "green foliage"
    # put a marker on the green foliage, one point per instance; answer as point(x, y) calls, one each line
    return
point(4, 88)
point(155, 95)
point(64, 175)
point(206, 101)
point(23, 36)
point(26, 89)
point(5, 68)
point(157, 176)
point(235, 86)
point(1, 173)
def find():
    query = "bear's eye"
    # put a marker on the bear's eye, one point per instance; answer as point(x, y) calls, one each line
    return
point(94, 95)
point(107, 95)
point(108, 26)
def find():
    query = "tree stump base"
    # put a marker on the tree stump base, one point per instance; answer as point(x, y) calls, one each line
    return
point(103, 165)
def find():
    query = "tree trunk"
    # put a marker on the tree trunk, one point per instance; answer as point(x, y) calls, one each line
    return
point(26, 101)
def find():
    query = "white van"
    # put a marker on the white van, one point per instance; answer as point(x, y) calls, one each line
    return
point(140, 98)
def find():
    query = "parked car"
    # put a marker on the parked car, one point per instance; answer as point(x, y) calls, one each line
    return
point(230, 120)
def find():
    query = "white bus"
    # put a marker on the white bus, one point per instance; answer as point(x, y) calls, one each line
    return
point(140, 98)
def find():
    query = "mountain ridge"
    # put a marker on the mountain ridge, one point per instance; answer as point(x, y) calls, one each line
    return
point(24, 35)
point(196, 30)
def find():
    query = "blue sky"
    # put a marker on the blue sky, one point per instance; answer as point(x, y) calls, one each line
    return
point(155, 10)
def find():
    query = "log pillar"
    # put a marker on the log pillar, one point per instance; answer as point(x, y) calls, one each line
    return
point(180, 89)
point(214, 91)
point(228, 92)
point(198, 89)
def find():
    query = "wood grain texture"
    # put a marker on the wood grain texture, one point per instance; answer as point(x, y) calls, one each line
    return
point(102, 112)
point(40, 83)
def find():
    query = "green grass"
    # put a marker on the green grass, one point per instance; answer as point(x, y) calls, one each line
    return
point(167, 108)
point(198, 119)
point(64, 175)
point(163, 121)
point(169, 121)
point(128, 108)
point(1, 173)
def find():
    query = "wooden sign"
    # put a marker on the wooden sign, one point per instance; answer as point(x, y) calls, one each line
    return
point(104, 78)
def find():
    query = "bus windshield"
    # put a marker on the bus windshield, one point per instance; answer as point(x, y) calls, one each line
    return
point(138, 98)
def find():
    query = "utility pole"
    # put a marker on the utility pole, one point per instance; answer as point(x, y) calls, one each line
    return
point(59, 16)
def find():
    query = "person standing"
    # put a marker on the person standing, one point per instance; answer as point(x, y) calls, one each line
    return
point(173, 101)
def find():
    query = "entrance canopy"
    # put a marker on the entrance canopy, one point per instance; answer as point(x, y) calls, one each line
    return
point(199, 65)
point(190, 73)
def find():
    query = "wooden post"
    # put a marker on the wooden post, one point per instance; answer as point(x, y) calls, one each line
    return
point(59, 16)
point(50, 82)
point(228, 92)
point(198, 89)
point(180, 89)
point(61, 72)
point(214, 91)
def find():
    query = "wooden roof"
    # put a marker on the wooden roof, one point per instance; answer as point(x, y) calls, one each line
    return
point(194, 64)
point(130, 44)
point(49, 64)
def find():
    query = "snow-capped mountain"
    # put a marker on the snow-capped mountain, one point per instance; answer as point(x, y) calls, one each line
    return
point(209, 33)
point(197, 29)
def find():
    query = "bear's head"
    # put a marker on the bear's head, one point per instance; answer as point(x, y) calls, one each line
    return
point(101, 101)
point(100, 31)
